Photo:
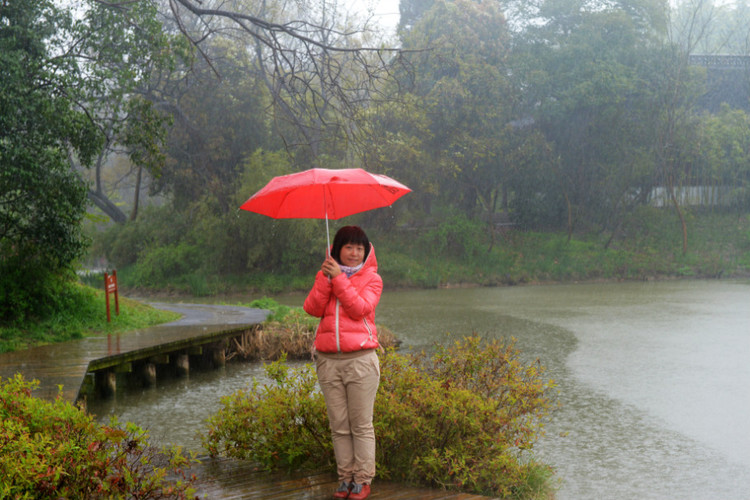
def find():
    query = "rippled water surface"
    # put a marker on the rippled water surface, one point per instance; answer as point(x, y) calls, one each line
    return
point(654, 380)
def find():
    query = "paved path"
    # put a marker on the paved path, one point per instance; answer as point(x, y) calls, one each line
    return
point(66, 364)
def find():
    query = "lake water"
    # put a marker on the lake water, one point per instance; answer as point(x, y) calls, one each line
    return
point(653, 379)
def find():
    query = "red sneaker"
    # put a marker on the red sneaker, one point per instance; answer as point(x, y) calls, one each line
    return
point(359, 492)
point(343, 490)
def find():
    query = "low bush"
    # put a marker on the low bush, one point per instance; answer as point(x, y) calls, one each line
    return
point(464, 419)
point(52, 450)
point(283, 425)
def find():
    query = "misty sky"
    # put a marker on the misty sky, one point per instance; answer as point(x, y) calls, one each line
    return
point(385, 11)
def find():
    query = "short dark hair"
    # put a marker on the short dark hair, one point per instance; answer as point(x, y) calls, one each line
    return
point(349, 234)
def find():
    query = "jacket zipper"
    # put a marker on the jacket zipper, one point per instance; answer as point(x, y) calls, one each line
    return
point(338, 338)
point(369, 333)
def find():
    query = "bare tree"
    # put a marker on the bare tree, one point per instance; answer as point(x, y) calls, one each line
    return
point(320, 64)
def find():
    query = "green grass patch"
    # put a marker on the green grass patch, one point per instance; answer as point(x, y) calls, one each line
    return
point(80, 313)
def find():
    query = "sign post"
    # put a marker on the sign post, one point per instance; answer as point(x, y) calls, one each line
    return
point(110, 286)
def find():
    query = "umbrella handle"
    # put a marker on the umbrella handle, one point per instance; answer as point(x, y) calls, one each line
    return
point(328, 237)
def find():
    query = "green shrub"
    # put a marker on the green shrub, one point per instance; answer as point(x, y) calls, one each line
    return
point(54, 450)
point(457, 236)
point(46, 298)
point(33, 292)
point(398, 269)
point(161, 265)
point(464, 419)
point(283, 425)
point(278, 311)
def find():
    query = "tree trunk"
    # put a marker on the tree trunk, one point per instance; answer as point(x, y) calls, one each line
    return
point(137, 195)
point(109, 208)
point(677, 207)
point(491, 219)
point(570, 216)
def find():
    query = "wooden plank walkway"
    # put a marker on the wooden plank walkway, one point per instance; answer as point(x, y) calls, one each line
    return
point(66, 364)
point(236, 479)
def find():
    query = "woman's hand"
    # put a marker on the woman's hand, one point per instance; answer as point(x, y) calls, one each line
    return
point(330, 267)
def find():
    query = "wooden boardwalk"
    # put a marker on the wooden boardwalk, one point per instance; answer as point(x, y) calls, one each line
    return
point(235, 479)
point(66, 364)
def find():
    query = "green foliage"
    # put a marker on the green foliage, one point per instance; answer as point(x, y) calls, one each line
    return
point(123, 48)
point(189, 247)
point(278, 311)
point(54, 450)
point(75, 311)
point(60, 78)
point(459, 253)
point(559, 126)
point(156, 265)
point(400, 269)
point(155, 227)
point(464, 419)
point(283, 425)
point(42, 202)
point(457, 236)
point(292, 319)
point(221, 122)
point(33, 293)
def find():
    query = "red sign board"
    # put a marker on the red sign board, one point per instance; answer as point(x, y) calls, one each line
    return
point(110, 286)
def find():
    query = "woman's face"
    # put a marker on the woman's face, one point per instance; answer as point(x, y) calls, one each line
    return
point(352, 254)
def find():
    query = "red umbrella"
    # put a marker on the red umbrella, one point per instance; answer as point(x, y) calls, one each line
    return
point(321, 193)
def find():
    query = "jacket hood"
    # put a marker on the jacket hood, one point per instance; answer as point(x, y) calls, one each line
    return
point(371, 262)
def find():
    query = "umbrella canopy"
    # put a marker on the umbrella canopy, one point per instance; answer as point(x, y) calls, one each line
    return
point(321, 193)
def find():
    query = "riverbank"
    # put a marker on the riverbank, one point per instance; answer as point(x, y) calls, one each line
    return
point(83, 314)
point(647, 249)
point(718, 248)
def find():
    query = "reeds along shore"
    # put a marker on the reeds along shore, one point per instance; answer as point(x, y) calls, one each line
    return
point(269, 341)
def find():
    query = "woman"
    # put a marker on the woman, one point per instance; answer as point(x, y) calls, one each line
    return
point(345, 294)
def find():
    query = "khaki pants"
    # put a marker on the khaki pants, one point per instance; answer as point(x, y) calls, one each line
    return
point(349, 382)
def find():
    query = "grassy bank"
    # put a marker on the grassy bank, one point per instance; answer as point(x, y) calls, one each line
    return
point(460, 252)
point(81, 313)
point(649, 247)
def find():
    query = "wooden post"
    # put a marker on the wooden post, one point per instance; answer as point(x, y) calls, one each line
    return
point(148, 374)
point(181, 364)
point(105, 382)
point(110, 286)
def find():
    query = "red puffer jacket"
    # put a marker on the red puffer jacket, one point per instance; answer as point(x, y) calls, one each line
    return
point(346, 307)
